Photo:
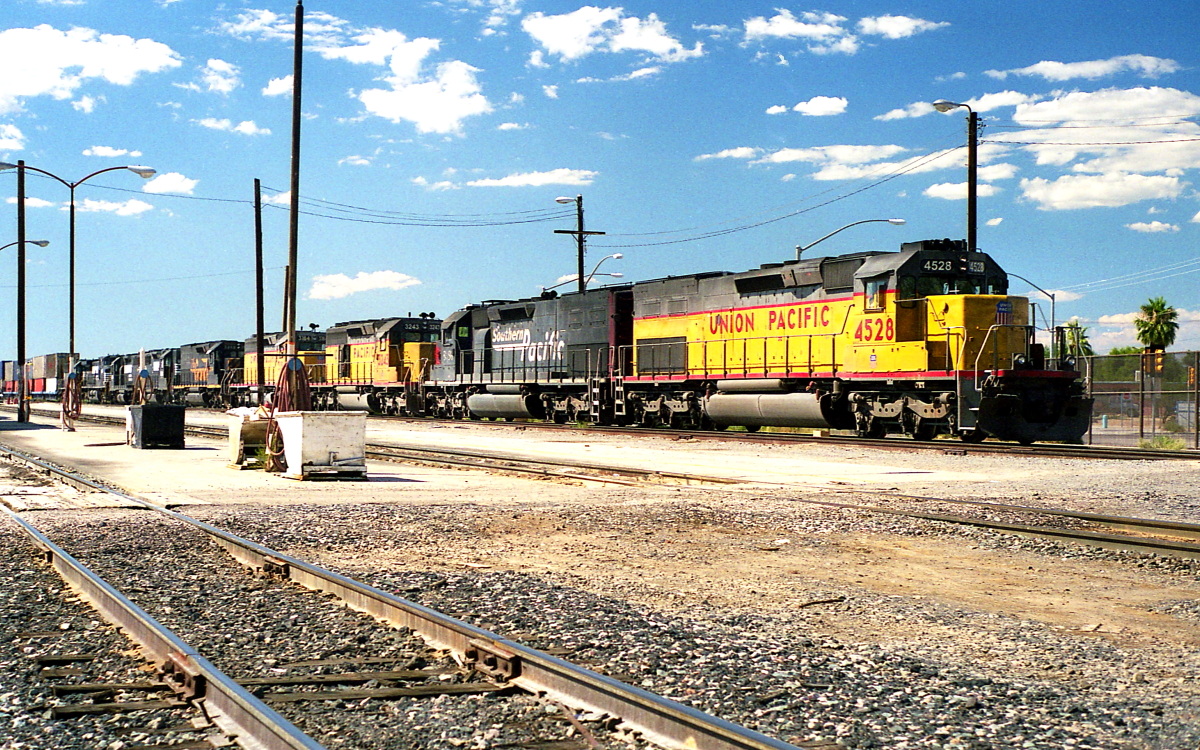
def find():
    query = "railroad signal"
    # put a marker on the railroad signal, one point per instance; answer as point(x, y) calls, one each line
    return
point(1191, 377)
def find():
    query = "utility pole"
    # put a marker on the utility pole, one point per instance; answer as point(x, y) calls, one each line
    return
point(579, 233)
point(294, 224)
point(259, 323)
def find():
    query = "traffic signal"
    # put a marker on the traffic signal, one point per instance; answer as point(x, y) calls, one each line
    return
point(1152, 360)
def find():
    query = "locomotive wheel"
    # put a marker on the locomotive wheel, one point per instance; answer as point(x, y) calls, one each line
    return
point(924, 432)
point(753, 428)
point(972, 436)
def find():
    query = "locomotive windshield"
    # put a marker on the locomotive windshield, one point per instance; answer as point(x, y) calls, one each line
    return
point(927, 285)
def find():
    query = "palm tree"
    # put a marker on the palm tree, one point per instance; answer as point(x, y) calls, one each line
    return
point(1156, 323)
point(1077, 339)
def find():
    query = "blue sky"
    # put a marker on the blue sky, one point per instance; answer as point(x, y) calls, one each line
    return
point(702, 135)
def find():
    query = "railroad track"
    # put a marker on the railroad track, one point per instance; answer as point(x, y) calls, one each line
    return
point(482, 661)
point(1143, 536)
point(952, 447)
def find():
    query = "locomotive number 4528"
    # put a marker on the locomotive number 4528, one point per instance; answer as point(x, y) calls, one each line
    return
point(875, 329)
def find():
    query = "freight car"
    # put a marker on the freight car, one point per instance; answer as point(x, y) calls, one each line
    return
point(922, 342)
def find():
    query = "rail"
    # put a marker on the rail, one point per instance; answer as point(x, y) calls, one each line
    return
point(231, 706)
point(660, 720)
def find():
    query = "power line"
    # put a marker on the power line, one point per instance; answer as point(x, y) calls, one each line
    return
point(145, 281)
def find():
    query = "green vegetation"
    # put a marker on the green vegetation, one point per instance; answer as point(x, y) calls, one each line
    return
point(1077, 339)
point(1157, 323)
point(1163, 443)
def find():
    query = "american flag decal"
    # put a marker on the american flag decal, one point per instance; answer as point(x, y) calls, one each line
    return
point(1003, 313)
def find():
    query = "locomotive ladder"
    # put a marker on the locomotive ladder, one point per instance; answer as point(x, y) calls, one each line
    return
point(594, 401)
point(618, 388)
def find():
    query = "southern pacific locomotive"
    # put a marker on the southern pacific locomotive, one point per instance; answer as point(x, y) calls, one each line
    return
point(922, 342)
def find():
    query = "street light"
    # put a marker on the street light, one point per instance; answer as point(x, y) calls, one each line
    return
point(144, 172)
point(580, 235)
point(1048, 294)
point(589, 278)
point(802, 248)
point(39, 243)
point(943, 106)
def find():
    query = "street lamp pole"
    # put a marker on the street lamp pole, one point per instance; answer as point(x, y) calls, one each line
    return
point(592, 275)
point(144, 172)
point(19, 368)
point(580, 235)
point(802, 248)
point(1048, 294)
point(22, 403)
point(941, 105)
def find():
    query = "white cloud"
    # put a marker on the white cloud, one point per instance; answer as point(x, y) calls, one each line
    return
point(639, 73)
point(512, 126)
point(1143, 65)
point(86, 104)
point(355, 161)
point(108, 151)
point(438, 186)
point(1120, 134)
point(171, 182)
point(278, 86)
point(897, 27)
point(822, 106)
point(434, 101)
point(220, 77)
point(1060, 295)
point(820, 27)
point(741, 152)
point(1091, 191)
point(988, 102)
point(537, 179)
point(1152, 227)
point(31, 202)
point(574, 35)
point(777, 109)
point(994, 222)
point(550, 91)
point(320, 29)
point(1196, 218)
point(916, 109)
point(131, 207)
point(437, 104)
point(997, 172)
point(787, 177)
point(246, 127)
point(537, 59)
point(44, 61)
point(11, 138)
point(279, 199)
point(339, 285)
point(957, 191)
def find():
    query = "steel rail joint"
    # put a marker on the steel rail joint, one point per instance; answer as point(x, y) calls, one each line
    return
point(232, 707)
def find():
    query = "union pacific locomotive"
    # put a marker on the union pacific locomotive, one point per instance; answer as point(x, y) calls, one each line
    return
point(922, 342)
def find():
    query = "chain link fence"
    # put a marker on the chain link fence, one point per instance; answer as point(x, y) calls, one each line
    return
point(1144, 399)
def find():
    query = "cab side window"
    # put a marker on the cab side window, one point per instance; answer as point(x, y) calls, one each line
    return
point(876, 297)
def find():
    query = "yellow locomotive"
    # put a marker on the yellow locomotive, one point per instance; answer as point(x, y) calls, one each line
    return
point(923, 342)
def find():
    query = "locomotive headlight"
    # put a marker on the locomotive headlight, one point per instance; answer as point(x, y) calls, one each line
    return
point(1069, 363)
point(1020, 360)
